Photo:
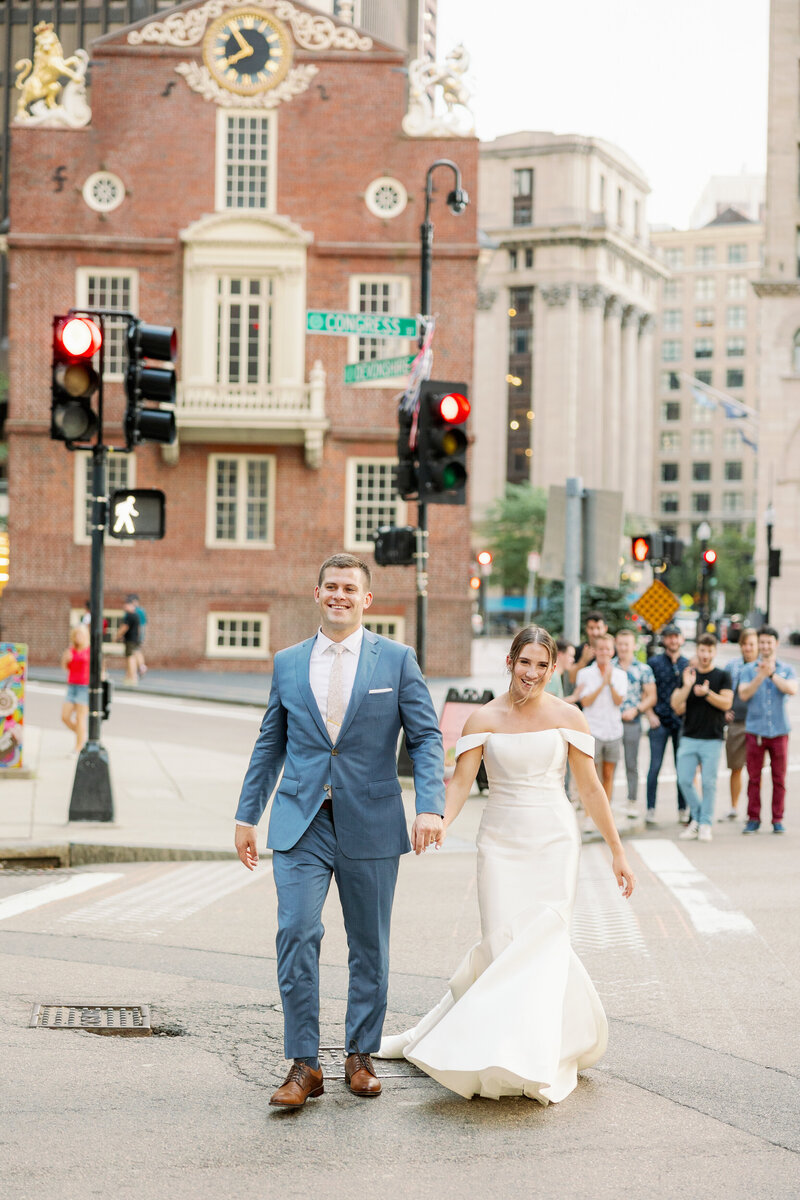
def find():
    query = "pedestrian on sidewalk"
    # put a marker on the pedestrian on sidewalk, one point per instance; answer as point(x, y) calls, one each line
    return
point(336, 708)
point(129, 633)
point(601, 689)
point(735, 743)
point(639, 699)
point(703, 698)
point(75, 661)
point(596, 627)
point(141, 665)
point(766, 685)
point(664, 722)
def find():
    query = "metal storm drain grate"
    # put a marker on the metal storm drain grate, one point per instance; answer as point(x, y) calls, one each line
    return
point(332, 1063)
point(123, 1020)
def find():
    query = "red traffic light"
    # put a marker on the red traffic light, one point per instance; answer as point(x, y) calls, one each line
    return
point(454, 408)
point(77, 338)
point(709, 557)
point(484, 558)
point(475, 582)
point(640, 548)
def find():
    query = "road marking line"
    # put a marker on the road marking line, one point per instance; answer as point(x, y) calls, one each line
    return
point(60, 889)
point(706, 906)
point(239, 711)
point(146, 908)
point(601, 918)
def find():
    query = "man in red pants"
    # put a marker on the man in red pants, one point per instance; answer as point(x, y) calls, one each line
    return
point(765, 684)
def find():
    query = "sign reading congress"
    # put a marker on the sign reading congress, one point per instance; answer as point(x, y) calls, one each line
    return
point(361, 324)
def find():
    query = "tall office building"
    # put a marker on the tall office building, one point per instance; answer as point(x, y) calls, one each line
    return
point(564, 330)
point(705, 458)
point(778, 289)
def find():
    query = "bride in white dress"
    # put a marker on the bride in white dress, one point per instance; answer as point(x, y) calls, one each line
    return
point(521, 1016)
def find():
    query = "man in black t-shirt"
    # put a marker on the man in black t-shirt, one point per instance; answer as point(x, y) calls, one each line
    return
point(703, 699)
point(129, 633)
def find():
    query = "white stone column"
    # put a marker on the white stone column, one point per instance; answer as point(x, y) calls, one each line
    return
point(645, 419)
point(612, 374)
point(556, 388)
point(590, 398)
point(629, 397)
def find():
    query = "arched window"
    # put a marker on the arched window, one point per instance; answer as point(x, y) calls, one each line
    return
point(796, 353)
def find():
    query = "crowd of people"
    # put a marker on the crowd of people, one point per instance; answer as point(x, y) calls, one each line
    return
point(694, 704)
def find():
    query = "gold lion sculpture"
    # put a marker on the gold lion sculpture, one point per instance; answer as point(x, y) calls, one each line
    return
point(41, 79)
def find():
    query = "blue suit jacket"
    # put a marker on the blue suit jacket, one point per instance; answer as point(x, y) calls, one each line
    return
point(388, 693)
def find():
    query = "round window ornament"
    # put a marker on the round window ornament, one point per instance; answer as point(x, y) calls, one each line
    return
point(386, 197)
point(103, 191)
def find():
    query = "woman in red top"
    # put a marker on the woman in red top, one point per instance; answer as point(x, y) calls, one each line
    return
point(75, 661)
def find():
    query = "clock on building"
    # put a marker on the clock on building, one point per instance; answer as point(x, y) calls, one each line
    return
point(247, 51)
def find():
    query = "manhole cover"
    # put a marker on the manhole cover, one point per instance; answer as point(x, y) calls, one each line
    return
point(332, 1063)
point(124, 1020)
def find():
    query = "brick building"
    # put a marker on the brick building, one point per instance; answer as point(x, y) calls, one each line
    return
point(191, 205)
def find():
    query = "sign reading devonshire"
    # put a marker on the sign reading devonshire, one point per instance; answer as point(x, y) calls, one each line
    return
point(378, 368)
point(362, 324)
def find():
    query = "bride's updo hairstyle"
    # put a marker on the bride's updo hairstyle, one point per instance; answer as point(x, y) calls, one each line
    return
point(532, 634)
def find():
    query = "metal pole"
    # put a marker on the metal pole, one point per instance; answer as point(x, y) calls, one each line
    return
point(92, 799)
point(426, 261)
point(573, 566)
point(769, 572)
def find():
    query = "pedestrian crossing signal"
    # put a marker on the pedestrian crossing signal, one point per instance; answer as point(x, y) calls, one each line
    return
point(137, 513)
point(640, 548)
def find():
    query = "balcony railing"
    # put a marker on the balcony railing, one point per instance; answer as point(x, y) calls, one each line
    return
point(215, 408)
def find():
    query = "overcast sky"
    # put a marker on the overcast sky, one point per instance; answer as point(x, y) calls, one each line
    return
point(681, 87)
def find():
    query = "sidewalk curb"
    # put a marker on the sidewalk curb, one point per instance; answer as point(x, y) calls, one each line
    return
point(81, 854)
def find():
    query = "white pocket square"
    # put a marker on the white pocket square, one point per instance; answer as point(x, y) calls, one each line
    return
point(377, 691)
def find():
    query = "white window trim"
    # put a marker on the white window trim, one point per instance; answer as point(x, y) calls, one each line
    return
point(404, 346)
point(349, 504)
point(114, 648)
point(82, 291)
point(239, 544)
point(214, 651)
point(399, 623)
point(83, 464)
point(220, 160)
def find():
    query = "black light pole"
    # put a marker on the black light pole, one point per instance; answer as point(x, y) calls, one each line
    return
point(457, 201)
point(769, 521)
point(703, 533)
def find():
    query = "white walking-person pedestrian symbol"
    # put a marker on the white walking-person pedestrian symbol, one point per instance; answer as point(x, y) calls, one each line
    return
point(124, 511)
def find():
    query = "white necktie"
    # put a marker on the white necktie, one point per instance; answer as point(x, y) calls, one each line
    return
point(334, 714)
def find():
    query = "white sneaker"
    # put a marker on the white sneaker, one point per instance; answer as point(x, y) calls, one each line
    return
point(691, 832)
point(632, 811)
point(704, 833)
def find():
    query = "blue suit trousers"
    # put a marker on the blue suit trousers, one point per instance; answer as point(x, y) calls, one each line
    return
point(366, 891)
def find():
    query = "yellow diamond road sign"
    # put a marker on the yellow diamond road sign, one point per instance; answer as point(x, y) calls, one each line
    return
point(656, 605)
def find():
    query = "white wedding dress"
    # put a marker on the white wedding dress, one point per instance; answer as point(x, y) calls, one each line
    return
point(522, 1016)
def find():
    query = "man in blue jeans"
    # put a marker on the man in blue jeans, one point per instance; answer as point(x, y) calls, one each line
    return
point(665, 724)
point(703, 698)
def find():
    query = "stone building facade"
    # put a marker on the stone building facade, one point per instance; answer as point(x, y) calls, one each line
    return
point(564, 330)
point(778, 289)
point(705, 462)
point(231, 221)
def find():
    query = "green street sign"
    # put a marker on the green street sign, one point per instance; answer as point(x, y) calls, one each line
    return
point(378, 368)
point(361, 324)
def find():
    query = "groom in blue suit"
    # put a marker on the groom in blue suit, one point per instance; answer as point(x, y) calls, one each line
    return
point(337, 705)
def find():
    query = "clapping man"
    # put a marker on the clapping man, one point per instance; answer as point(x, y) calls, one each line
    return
point(336, 707)
point(665, 724)
point(766, 685)
point(735, 741)
point(639, 699)
point(703, 698)
point(601, 689)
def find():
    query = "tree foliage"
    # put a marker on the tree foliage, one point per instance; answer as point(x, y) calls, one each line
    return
point(513, 528)
point(733, 570)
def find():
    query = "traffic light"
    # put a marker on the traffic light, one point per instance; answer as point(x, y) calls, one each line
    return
point(74, 379)
point(395, 546)
point(646, 546)
point(407, 478)
point(709, 561)
point(484, 558)
point(442, 442)
point(673, 550)
point(4, 559)
point(144, 382)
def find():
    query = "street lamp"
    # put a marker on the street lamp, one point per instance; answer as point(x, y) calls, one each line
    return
point(703, 534)
point(457, 201)
point(769, 521)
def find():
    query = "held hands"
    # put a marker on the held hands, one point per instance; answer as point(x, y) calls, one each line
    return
point(246, 846)
point(427, 830)
point(701, 689)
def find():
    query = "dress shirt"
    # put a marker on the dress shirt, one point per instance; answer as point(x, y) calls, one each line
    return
point(319, 669)
point(638, 675)
point(766, 709)
point(668, 676)
point(603, 714)
point(739, 705)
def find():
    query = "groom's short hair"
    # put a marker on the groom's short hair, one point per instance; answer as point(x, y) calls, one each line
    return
point(345, 562)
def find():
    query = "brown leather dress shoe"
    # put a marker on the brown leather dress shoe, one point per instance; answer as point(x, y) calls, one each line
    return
point(360, 1074)
point(301, 1082)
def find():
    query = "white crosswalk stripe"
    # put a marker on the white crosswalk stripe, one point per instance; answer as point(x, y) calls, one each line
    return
point(144, 911)
point(601, 918)
point(707, 907)
point(60, 889)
